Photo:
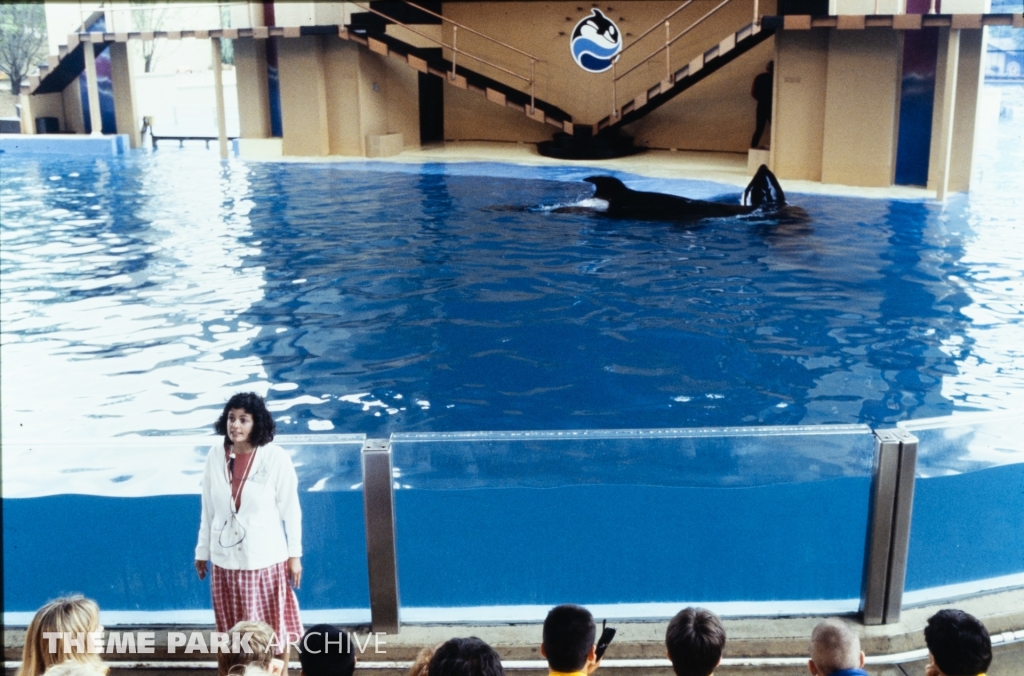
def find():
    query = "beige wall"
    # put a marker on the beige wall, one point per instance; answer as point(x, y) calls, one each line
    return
point(300, 64)
point(798, 121)
point(861, 107)
point(717, 113)
point(253, 96)
point(42, 105)
point(74, 116)
point(542, 29)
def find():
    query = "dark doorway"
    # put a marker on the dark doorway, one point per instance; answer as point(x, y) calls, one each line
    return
point(431, 101)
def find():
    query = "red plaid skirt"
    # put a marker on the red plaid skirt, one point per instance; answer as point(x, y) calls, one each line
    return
point(262, 595)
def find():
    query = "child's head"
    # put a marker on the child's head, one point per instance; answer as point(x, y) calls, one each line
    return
point(695, 640)
point(834, 647)
point(74, 615)
point(263, 644)
point(569, 633)
point(958, 642)
point(326, 651)
point(465, 657)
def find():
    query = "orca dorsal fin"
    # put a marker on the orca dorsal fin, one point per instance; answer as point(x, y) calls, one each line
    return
point(764, 190)
point(607, 187)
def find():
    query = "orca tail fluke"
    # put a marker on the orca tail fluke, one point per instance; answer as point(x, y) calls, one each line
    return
point(764, 190)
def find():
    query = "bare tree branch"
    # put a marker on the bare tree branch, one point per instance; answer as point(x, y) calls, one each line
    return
point(22, 40)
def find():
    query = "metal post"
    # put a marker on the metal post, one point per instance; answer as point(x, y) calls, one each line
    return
point(533, 86)
point(615, 110)
point(379, 510)
point(755, 15)
point(892, 496)
point(902, 513)
point(218, 86)
point(668, 54)
point(455, 45)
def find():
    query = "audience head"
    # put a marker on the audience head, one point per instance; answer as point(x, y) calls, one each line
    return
point(421, 666)
point(73, 668)
point(263, 643)
point(959, 644)
point(327, 651)
point(695, 640)
point(73, 615)
point(465, 657)
point(834, 647)
point(569, 634)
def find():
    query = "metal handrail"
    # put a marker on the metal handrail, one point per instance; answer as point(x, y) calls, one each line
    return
point(669, 41)
point(455, 50)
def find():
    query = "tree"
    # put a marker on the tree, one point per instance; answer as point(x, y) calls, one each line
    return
point(22, 40)
point(148, 19)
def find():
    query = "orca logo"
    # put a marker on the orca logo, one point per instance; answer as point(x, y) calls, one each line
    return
point(596, 42)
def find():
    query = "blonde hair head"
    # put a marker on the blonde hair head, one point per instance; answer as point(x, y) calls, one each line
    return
point(72, 615)
point(263, 643)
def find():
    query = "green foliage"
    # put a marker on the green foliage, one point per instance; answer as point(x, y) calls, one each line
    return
point(22, 40)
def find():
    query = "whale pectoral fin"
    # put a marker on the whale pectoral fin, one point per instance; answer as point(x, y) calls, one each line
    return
point(763, 190)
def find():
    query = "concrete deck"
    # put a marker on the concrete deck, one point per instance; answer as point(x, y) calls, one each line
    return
point(728, 168)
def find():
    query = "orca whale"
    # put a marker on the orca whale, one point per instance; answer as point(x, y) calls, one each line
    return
point(763, 195)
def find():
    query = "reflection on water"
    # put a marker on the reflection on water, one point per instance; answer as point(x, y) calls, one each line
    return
point(140, 292)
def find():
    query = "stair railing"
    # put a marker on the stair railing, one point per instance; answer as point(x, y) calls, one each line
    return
point(531, 80)
point(666, 47)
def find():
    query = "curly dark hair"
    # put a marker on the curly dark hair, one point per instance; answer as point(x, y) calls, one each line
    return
point(465, 657)
point(263, 426)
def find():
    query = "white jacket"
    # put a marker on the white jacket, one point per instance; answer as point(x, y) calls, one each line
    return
point(270, 516)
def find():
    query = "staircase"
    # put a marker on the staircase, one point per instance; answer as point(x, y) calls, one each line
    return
point(734, 45)
point(369, 28)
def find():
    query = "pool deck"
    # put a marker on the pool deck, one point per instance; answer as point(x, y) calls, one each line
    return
point(772, 646)
point(728, 168)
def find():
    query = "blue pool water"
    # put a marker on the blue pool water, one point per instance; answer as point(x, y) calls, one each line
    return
point(382, 298)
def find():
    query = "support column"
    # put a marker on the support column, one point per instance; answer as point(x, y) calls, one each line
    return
point(124, 94)
point(218, 86)
point(253, 93)
point(92, 84)
point(948, 107)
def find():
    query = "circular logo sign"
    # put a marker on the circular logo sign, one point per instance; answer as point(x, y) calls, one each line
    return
point(596, 42)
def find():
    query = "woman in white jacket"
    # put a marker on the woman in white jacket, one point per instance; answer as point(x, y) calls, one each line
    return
point(251, 524)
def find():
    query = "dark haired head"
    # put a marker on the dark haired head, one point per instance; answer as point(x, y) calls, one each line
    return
point(326, 650)
point(465, 657)
point(263, 427)
point(569, 633)
point(958, 642)
point(695, 640)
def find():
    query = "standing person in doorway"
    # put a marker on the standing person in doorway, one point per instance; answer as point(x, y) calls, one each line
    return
point(251, 524)
point(761, 90)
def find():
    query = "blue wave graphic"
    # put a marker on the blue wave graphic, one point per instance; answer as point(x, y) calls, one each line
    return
point(594, 64)
point(582, 45)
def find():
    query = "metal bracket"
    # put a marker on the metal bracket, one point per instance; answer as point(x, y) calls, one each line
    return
point(892, 503)
point(379, 510)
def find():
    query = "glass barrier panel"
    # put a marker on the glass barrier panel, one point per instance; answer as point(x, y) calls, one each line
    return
point(967, 532)
point(117, 521)
point(765, 519)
